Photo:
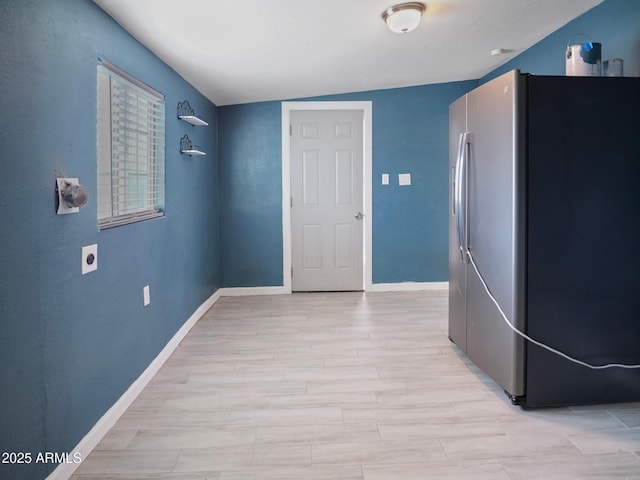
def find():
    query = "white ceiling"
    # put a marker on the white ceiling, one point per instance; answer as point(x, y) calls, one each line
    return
point(241, 51)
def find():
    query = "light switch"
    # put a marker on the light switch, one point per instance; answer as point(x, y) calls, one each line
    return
point(146, 299)
point(89, 258)
point(404, 179)
point(385, 179)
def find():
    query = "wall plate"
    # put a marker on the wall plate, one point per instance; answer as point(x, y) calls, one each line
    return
point(404, 179)
point(89, 258)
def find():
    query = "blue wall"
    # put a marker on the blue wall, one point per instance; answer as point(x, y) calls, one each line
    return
point(70, 345)
point(251, 195)
point(409, 223)
point(614, 23)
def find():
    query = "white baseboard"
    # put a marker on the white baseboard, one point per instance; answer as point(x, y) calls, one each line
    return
point(108, 420)
point(408, 286)
point(375, 287)
point(247, 291)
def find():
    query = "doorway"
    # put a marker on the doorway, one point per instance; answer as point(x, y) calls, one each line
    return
point(326, 200)
point(326, 186)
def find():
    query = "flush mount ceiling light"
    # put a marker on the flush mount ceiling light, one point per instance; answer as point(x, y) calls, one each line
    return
point(404, 17)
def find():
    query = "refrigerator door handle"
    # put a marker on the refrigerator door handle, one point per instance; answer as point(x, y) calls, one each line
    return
point(457, 195)
point(463, 225)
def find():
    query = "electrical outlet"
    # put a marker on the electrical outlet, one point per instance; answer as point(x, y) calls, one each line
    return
point(385, 179)
point(146, 296)
point(89, 258)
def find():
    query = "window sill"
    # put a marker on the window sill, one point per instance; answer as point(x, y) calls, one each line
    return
point(126, 220)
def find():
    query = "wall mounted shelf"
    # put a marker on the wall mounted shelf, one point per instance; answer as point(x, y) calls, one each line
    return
point(188, 148)
point(186, 113)
point(193, 120)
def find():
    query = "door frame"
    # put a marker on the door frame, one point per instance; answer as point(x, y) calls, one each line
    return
point(367, 162)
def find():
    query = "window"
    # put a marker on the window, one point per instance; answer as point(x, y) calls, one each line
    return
point(130, 137)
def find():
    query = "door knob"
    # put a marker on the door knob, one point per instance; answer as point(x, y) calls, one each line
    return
point(359, 215)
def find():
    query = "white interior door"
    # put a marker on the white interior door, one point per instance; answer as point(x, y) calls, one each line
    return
point(327, 200)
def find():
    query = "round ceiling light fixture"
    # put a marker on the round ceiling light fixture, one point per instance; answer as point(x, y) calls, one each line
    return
point(404, 17)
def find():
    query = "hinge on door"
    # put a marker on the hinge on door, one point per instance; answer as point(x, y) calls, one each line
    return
point(291, 201)
point(290, 130)
point(291, 272)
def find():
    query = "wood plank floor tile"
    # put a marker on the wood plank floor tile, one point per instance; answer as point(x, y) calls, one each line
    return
point(556, 420)
point(441, 428)
point(477, 470)
point(349, 472)
point(150, 476)
point(608, 441)
point(106, 462)
point(183, 438)
point(498, 446)
point(317, 434)
point(575, 466)
point(629, 418)
point(213, 459)
point(381, 451)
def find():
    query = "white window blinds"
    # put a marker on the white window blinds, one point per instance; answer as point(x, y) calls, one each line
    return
point(130, 137)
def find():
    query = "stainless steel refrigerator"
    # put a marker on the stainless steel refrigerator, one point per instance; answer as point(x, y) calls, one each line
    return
point(544, 224)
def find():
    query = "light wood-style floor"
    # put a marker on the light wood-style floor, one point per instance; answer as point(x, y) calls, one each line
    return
point(348, 386)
